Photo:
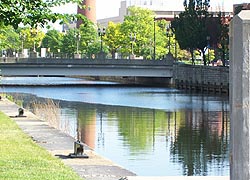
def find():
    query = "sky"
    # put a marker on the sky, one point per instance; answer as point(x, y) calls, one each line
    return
point(110, 8)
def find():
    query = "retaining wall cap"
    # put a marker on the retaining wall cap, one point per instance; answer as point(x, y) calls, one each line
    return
point(244, 15)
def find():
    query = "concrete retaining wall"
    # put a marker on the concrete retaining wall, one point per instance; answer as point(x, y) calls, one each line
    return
point(202, 78)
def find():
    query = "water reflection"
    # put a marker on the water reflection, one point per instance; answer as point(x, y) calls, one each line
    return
point(150, 131)
point(201, 143)
point(156, 142)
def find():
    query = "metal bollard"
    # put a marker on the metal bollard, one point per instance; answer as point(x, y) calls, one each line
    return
point(20, 111)
point(78, 148)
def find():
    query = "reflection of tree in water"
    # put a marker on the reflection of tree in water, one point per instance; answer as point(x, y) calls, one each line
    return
point(202, 140)
point(137, 127)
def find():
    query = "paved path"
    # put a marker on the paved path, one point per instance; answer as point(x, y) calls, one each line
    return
point(179, 178)
point(61, 145)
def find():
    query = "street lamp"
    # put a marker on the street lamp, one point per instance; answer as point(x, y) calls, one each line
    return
point(132, 39)
point(154, 39)
point(208, 45)
point(169, 35)
point(224, 45)
point(22, 37)
point(78, 37)
point(101, 33)
point(34, 33)
point(175, 49)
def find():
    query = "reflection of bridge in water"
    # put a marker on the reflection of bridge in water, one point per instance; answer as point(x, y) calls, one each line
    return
point(88, 67)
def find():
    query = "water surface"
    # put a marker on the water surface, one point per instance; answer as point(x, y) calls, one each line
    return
point(150, 131)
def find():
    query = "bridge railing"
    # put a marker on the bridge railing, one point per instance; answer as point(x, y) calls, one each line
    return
point(139, 62)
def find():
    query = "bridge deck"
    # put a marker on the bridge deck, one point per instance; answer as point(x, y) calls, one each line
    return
point(88, 67)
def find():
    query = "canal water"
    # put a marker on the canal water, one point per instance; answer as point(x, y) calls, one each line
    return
point(151, 131)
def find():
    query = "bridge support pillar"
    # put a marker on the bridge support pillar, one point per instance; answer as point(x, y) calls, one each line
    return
point(240, 96)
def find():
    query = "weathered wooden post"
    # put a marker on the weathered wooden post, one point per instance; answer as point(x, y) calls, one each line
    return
point(240, 96)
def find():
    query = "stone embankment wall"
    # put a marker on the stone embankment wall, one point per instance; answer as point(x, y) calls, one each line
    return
point(201, 78)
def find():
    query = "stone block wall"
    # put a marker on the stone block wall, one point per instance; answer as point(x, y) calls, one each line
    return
point(203, 78)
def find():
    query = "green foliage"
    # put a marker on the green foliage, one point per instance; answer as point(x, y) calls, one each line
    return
point(88, 39)
point(137, 30)
point(223, 44)
point(69, 42)
point(9, 38)
point(113, 37)
point(140, 32)
point(210, 56)
point(191, 27)
point(52, 41)
point(22, 159)
point(32, 13)
point(161, 40)
point(31, 38)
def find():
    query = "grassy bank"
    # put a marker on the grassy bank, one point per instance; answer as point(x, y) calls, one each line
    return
point(23, 159)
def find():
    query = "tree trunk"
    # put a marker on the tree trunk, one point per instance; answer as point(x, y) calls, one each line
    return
point(113, 54)
point(204, 58)
point(192, 56)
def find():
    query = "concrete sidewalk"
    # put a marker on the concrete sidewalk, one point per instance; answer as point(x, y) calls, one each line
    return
point(61, 145)
point(178, 178)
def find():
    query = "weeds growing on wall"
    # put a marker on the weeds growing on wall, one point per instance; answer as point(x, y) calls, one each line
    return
point(47, 111)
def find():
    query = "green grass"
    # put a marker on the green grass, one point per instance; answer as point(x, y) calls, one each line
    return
point(23, 159)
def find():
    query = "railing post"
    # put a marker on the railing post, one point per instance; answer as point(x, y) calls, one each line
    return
point(240, 96)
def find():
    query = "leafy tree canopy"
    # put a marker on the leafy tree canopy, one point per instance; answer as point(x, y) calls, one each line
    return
point(69, 42)
point(88, 38)
point(30, 12)
point(113, 38)
point(31, 37)
point(138, 34)
point(191, 25)
point(138, 25)
point(52, 40)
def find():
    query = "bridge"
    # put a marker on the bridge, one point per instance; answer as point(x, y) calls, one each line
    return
point(87, 67)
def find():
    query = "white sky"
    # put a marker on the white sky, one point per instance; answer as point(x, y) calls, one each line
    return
point(110, 8)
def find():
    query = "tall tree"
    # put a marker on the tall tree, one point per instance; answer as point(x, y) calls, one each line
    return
point(33, 38)
point(113, 38)
point(88, 38)
point(223, 39)
point(69, 43)
point(52, 41)
point(138, 33)
point(9, 40)
point(30, 12)
point(191, 26)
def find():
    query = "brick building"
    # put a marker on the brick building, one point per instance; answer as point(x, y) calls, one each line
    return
point(88, 10)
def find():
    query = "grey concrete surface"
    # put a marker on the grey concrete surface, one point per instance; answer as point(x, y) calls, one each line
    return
point(240, 96)
point(179, 178)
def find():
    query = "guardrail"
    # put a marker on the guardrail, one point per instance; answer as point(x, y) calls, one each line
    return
point(142, 62)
